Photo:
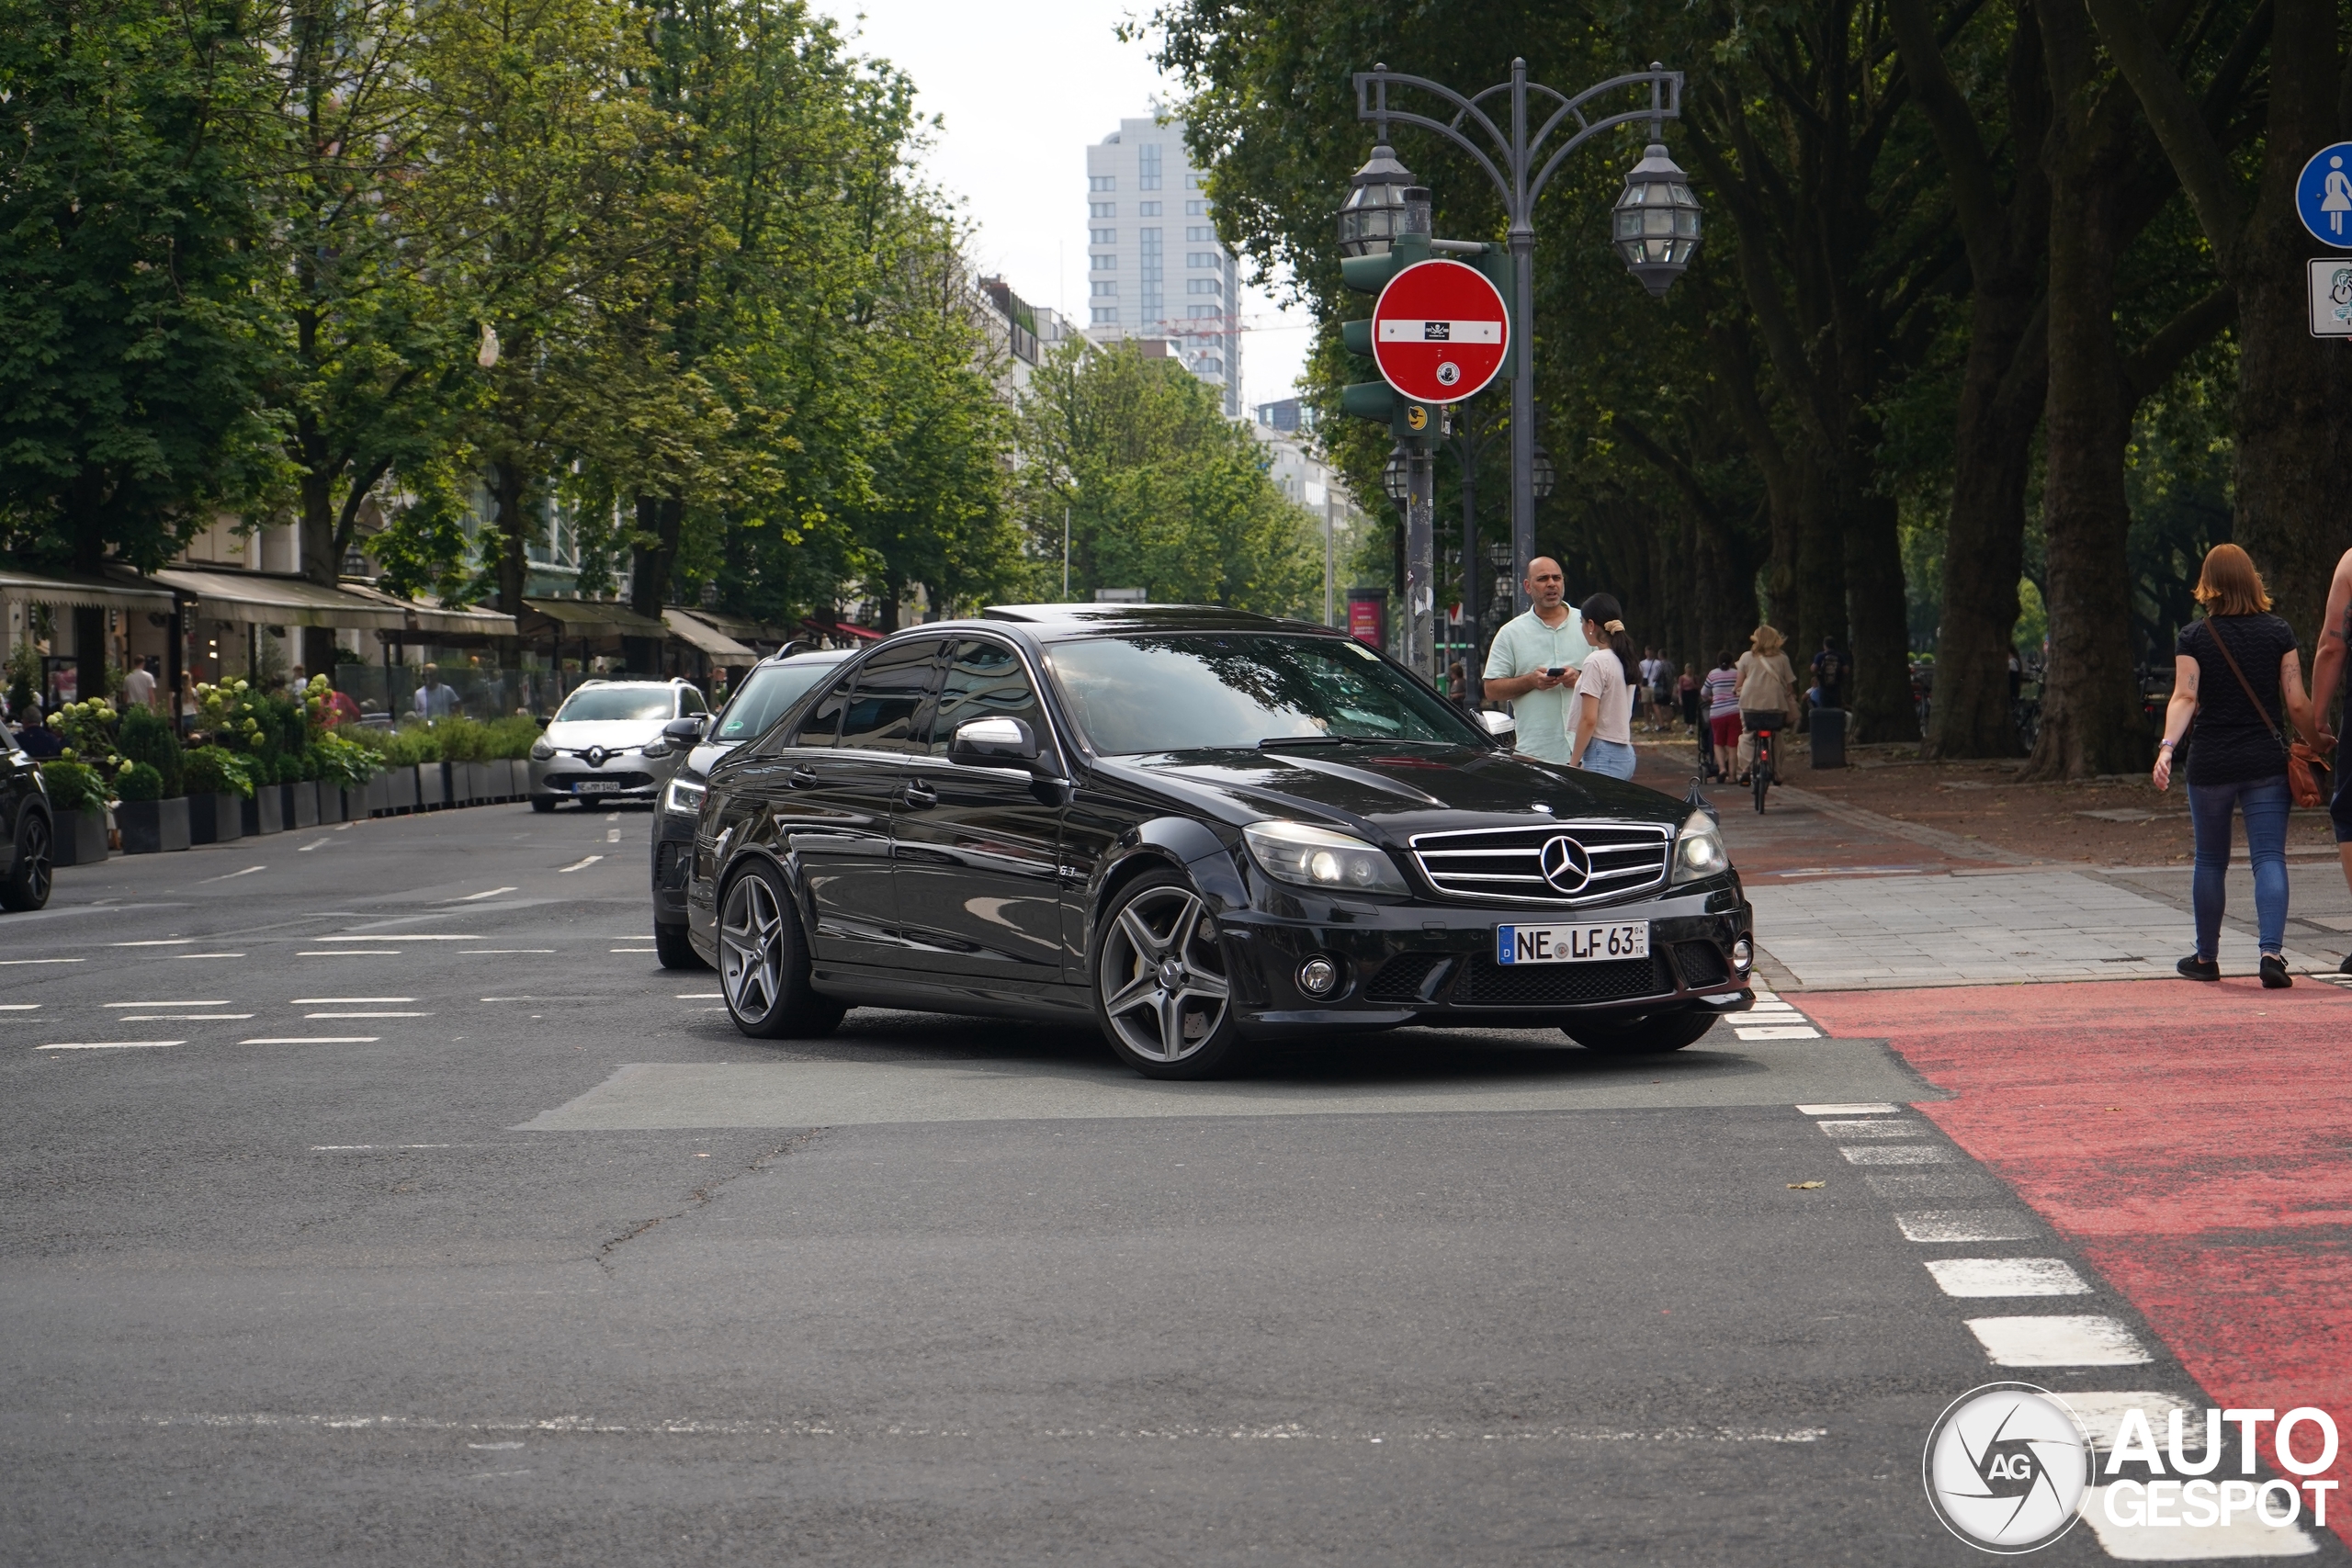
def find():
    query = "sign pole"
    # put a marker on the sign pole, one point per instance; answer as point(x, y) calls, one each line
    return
point(1421, 565)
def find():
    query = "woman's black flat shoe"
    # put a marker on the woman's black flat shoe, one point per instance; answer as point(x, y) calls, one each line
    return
point(2274, 973)
point(2195, 968)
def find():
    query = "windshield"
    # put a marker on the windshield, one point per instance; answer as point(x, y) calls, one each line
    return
point(1183, 692)
point(590, 703)
point(771, 689)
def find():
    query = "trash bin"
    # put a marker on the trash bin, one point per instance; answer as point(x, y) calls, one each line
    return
point(1829, 737)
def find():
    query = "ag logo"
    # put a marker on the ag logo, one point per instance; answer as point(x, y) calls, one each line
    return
point(2006, 1468)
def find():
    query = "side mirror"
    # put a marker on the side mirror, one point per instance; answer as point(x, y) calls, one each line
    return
point(687, 728)
point(993, 742)
point(1501, 725)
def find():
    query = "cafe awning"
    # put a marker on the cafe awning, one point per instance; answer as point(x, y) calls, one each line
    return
point(261, 600)
point(745, 630)
point(72, 591)
point(690, 629)
point(425, 618)
point(587, 618)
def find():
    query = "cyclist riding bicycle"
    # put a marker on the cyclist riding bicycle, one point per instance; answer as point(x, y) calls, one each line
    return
point(1768, 692)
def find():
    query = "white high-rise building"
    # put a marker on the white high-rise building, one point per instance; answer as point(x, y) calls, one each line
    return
point(1154, 267)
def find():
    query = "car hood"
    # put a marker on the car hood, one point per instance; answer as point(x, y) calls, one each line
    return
point(612, 734)
point(705, 756)
point(1393, 791)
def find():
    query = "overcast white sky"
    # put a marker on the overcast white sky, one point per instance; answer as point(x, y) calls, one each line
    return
point(1024, 90)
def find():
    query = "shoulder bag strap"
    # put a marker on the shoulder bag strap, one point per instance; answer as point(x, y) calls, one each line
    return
point(2215, 633)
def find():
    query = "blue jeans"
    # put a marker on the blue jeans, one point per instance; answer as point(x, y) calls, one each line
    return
point(2263, 803)
point(1612, 757)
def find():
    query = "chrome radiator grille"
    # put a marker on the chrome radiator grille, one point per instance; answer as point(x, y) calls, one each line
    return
point(1587, 862)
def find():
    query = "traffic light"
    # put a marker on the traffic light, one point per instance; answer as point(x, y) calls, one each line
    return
point(1377, 399)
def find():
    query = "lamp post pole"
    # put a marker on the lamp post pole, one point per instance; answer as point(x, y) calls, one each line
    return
point(1518, 162)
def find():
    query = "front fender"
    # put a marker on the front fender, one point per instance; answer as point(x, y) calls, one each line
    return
point(1180, 843)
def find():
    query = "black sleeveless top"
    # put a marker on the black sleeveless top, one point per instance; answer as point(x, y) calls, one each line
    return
point(2233, 743)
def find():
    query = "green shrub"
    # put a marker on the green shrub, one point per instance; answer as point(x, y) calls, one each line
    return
point(412, 744)
point(138, 781)
point(461, 739)
point(73, 787)
point(512, 736)
point(342, 762)
point(144, 738)
point(87, 730)
point(216, 770)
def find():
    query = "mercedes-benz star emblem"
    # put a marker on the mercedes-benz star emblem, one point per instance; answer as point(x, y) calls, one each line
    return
point(1565, 865)
point(595, 755)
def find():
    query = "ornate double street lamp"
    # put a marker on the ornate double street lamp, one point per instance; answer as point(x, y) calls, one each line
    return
point(1655, 225)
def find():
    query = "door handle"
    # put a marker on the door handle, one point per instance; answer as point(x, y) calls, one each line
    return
point(802, 777)
point(921, 795)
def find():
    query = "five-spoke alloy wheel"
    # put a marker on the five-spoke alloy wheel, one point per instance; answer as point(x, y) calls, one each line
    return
point(27, 882)
point(762, 965)
point(1162, 990)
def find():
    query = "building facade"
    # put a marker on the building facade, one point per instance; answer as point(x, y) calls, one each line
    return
point(1155, 269)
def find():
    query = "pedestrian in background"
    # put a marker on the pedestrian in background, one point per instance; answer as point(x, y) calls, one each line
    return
point(1605, 693)
point(2232, 672)
point(138, 686)
point(1686, 695)
point(1532, 665)
point(2327, 669)
point(1720, 691)
point(1830, 674)
point(1768, 691)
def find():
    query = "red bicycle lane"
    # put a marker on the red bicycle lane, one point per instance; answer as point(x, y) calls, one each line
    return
point(2194, 1141)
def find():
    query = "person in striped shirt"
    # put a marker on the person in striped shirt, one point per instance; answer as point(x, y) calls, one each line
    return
point(1720, 740)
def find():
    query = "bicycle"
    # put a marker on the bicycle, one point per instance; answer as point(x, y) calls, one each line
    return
point(1760, 772)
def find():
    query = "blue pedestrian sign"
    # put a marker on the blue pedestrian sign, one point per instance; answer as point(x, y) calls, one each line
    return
point(2323, 195)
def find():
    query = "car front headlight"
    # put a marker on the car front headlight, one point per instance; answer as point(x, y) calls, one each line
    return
point(683, 796)
point(658, 749)
point(541, 751)
point(1321, 857)
point(1699, 850)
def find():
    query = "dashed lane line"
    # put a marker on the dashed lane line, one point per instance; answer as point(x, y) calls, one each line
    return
point(208, 955)
point(344, 1001)
point(14, 962)
point(1898, 1154)
point(18, 1007)
point(2007, 1277)
point(311, 1040)
point(2092, 1340)
point(232, 875)
point(181, 1017)
point(578, 865)
point(110, 1045)
point(471, 897)
point(349, 952)
point(366, 1015)
point(1936, 1226)
point(1870, 1108)
point(480, 952)
point(395, 936)
point(183, 1002)
point(158, 942)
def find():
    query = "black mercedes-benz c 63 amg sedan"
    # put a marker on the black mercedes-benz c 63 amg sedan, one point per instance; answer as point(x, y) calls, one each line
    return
point(1201, 828)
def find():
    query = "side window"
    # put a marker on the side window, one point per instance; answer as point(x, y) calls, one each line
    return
point(888, 697)
point(986, 680)
point(690, 701)
point(822, 725)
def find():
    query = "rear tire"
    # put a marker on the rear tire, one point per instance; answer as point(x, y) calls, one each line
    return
point(33, 872)
point(543, 803)
point(1163, 995)
point(674, 951)
point(1648, 1036)
point(763, 963)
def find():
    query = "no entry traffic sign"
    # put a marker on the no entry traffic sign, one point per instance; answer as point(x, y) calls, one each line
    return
point(1439, 333)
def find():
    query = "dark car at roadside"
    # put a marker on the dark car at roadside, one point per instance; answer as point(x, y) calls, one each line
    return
point(28, 827)
point(772, 685)
point(1198, 829)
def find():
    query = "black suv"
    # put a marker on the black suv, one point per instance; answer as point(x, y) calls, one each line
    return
point(28, 832)
point(1200, 828)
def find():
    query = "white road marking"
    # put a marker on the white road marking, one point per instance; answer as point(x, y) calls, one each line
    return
point(2102, 1416)
point(215, 1002)
point(395, 936)
point(1898, 1154)
point(1965, 1224)
point(494, 1445)
point(1777, 1031)
point(701, 996)
point(2007, 1277)
point(470, 897)
point(612, 816)
point(17, 1007)
point(611, 835)
point(1875, 1108)
point(179, 1017)
point(366, 1015)
point(208, 955)
point(2243, 1537)
point(477, 951)
point(311, 1040)
point(355, 1148)
point(313, 844)
point(234, 875)
point(1871, 1129)
point(578, 865)
point(2089, 1341)
point(343, 1001)
point(349, 952)
point(632, 950)
point(159, 942)
point(108, 1044)
point(12, 963)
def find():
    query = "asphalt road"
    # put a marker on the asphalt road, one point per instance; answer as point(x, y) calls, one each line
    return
point(438, 1224)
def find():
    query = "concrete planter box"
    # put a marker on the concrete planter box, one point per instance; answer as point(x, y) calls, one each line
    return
point(301, 807)
point(152, 827)
point(81, 837)
point(357, 803)
point(399, 790)
point(480, 788)
point(265, 812)
point(330, 802)
point(522, 778)
point(432, 785)
point(216, 818)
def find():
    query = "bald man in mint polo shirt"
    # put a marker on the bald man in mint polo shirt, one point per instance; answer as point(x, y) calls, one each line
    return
point(1526, 651)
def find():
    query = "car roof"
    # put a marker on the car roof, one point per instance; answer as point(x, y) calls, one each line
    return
point(1083, 619)
point(811, 655)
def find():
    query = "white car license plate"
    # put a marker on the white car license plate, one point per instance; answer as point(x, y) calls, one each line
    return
point(1572, 944)
point(596, 787)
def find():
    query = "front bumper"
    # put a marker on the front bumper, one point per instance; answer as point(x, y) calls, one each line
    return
point(632, 776)
point(1434, 963)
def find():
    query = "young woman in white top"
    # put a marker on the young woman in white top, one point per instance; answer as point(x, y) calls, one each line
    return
point(1604, 695)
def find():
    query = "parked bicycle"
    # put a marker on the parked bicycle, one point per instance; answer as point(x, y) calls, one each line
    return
point(1761, 775)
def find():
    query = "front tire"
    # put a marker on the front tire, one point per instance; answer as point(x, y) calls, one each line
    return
point(1163, 997)
point(672, 950)
point(33, 872)
point(1649, 1035)
point(763, 963)
point(543, 804)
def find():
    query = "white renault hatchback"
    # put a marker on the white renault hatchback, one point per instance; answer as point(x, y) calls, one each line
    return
point(606, 742)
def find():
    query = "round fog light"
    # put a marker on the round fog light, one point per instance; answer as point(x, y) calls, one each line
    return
point(1319, 976)
point(1742, 955)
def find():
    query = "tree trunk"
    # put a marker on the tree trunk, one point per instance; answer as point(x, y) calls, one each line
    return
point(88, 503)
point(2090, 711)
point(511, 489)
point(1821, 561)
point(660, 518)
point(1878, 684)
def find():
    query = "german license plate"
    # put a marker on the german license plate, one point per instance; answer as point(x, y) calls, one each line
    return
point(596, 787)
point(1572, 944)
